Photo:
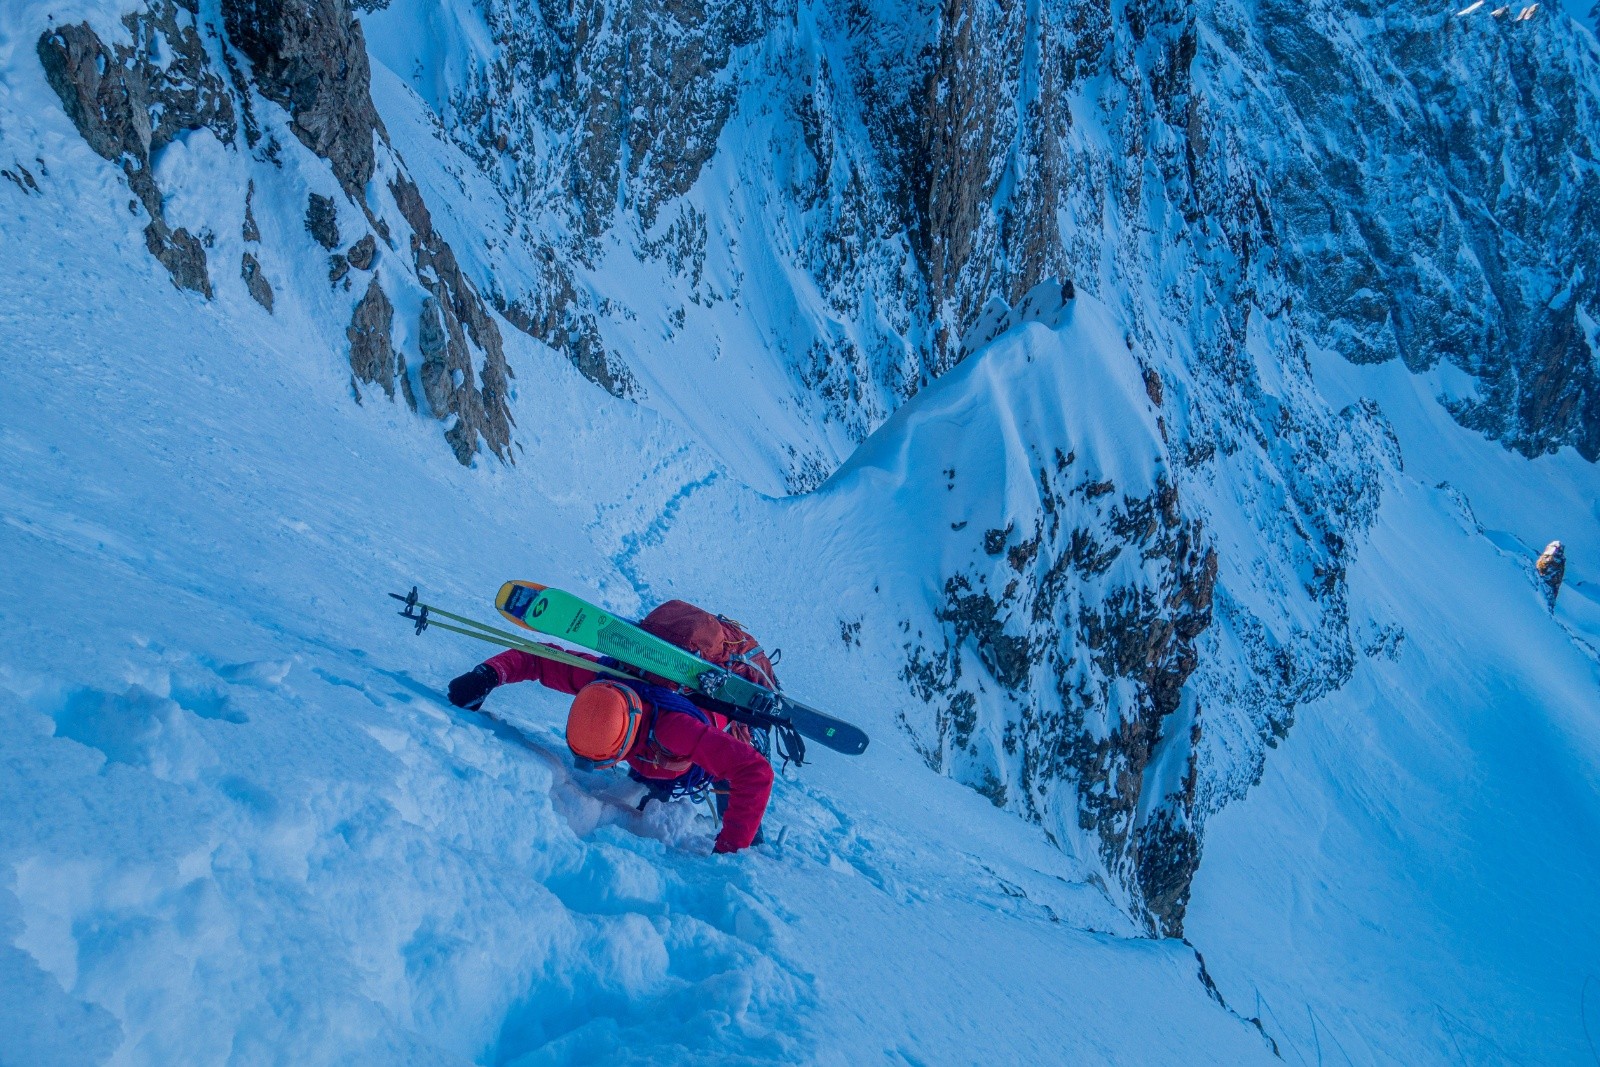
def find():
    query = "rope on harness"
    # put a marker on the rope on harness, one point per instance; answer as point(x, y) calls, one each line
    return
point(692, 783)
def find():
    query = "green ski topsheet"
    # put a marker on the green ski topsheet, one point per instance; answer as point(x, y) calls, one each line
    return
point(560, 614)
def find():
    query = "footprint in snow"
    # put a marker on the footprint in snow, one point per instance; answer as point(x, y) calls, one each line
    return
point(138, 728)
point(266, 673)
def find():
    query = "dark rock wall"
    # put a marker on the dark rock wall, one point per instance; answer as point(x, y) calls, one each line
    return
point(1406, 167)
point(311, 60)
point(129, 107)
point(1446, 207)
point(1414, 178)
point(130, 99)
point(455, 326)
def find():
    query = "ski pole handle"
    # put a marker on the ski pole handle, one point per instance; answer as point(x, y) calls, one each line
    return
point(424, 615)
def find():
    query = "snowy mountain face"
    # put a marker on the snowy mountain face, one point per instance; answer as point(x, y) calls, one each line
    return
point(997, 355)
point(1203, 167)
point(1486, 272)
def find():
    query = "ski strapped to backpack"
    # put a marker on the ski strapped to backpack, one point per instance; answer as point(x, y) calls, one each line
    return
point(790, 745)
point(560, 614)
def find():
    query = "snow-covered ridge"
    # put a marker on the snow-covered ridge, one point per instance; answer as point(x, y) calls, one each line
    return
point(1053, 545)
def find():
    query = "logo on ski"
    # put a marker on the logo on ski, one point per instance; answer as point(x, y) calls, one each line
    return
point(622, 642)
point(517, 603)
point(541, 606)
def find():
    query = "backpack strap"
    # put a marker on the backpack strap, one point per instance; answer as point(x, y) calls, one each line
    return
point(748, 659)
point(693, 781)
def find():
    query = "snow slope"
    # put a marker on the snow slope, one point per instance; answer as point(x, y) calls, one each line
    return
point(1413, 879)
point(242, 825)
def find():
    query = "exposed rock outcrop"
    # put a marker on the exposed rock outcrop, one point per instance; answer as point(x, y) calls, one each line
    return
point(644, 88)
point(255, 281)
point(311, 59)
point(553, 313)
point(372, 355)
point(455, 324)
point(1094, 668)
point(1434, 228)
point(970, 134)
point(130, 101)
point(322, 220)
point(640, 93)
point(363, 252)
point(250, 230)
point(128, 105)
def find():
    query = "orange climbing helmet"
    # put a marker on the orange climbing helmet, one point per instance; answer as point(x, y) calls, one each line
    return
point(604, 722)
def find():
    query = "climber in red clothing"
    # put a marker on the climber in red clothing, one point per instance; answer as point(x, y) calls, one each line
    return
point(666, 741)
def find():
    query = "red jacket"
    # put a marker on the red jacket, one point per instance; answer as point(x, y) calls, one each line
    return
point(747, 772)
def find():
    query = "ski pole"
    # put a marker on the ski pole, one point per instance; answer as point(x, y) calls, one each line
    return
point(792, 748)
point(423, 616)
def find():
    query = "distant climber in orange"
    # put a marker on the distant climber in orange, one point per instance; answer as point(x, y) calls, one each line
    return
point(1551, 568)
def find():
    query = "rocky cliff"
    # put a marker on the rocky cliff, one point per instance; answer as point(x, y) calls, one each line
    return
point(262, 71)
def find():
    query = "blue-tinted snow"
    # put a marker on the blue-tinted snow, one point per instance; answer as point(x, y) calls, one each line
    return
point(238, 823)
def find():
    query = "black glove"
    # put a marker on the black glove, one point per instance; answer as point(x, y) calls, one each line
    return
point(469, 690)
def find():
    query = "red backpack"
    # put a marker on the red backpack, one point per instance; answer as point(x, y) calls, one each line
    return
point(716, 639)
